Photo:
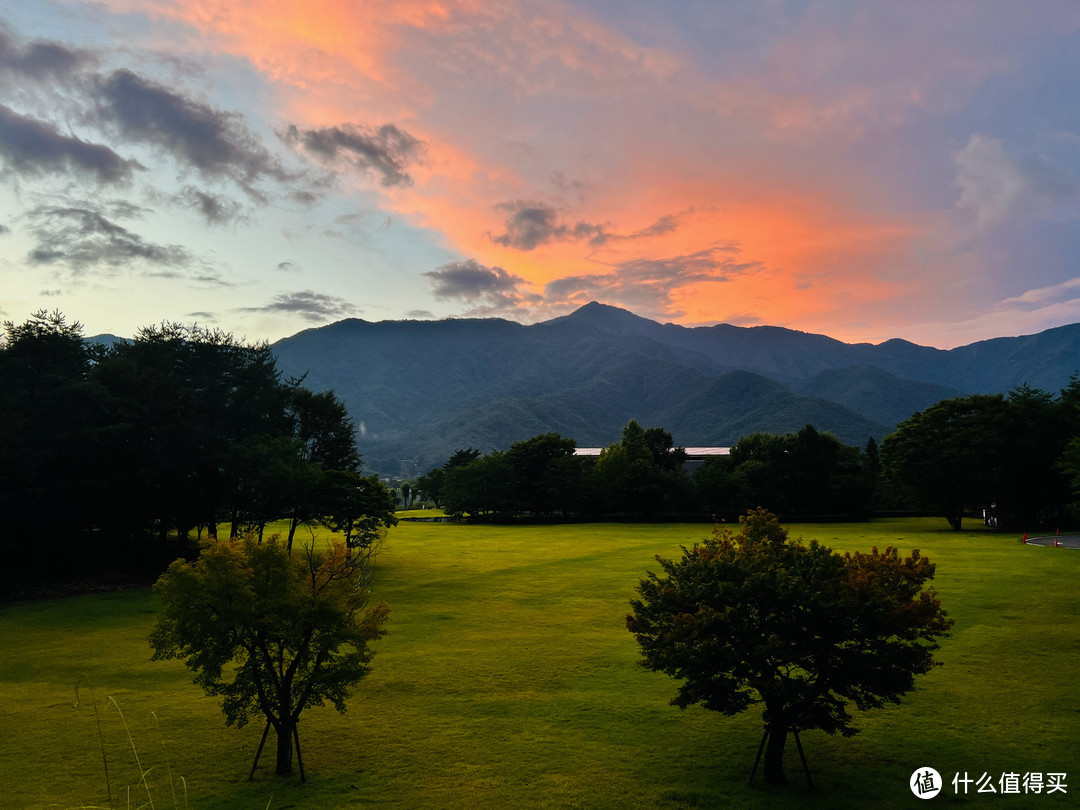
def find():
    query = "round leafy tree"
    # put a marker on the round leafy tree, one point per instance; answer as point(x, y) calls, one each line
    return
point(754, 618)
point(270, 632)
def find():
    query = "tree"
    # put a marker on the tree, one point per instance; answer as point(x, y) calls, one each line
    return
point(270, 474)
point(761, 464)
point(1069, 400)
point(661, 446)
point(804, 473)
point(181, 428)
point(186, 398)
point(1033, 489)
point(325, 436)
point(430, 486)
point(480, 488)
point(643, 474)
point(270, 632)
point(950, 456)
point(1069, 465)
point(542, 480)
point(47, 349)
point(872, 470)
point(360, 507)
point(461, 458)
point(754, 618)
point(51, 450)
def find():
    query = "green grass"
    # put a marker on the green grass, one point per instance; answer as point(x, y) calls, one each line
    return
point(508, 679)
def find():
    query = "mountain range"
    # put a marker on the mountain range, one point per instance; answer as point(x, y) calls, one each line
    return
point(419, 390)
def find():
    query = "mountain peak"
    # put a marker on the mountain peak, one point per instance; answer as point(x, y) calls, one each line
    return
point(424, 389)
point(606, 317)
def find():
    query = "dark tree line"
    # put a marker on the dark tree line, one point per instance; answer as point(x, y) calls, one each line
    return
point(541, 477)
point(643, 477)
point(1014, 458)
point(164, 437)
point(804, 474)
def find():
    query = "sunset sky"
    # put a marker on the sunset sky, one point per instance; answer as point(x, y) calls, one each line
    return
point(864, 170)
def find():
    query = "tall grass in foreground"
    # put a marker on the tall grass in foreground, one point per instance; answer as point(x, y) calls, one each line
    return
point(130, 800)
point(509, 679)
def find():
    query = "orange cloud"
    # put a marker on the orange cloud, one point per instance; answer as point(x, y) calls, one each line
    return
point(654, 199)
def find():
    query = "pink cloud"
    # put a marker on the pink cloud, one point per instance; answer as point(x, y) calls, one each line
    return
point(575, 159)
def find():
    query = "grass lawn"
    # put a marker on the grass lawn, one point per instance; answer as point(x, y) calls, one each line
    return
point(508, 679)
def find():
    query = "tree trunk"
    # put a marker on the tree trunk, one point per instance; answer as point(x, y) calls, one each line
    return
point(774, 754)
point(955, 518)
point(284, 748)
point(294, 521)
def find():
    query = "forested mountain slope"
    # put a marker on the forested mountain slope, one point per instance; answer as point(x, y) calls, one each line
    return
point(422, 389)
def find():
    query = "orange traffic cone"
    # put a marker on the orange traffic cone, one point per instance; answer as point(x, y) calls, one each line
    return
point(1024, 538)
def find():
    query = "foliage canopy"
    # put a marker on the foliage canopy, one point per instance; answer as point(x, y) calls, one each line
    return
point(804, 473)
point(1001, 455)
point(270, 632)
point(753, 618)
point(162, 436)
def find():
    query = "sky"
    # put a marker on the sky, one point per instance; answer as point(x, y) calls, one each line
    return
point(864, 170)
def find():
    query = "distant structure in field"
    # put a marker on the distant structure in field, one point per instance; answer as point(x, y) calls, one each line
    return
point(695, 456)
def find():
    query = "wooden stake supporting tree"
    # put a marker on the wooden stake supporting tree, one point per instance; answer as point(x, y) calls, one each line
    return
point(271, 632)
point(753, 618)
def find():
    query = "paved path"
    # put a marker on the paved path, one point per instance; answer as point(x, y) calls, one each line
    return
point(1065, 541)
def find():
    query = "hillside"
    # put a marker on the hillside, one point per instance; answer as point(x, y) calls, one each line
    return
point(419, 390)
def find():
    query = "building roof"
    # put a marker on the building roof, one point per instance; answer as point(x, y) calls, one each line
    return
point(691, 452)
